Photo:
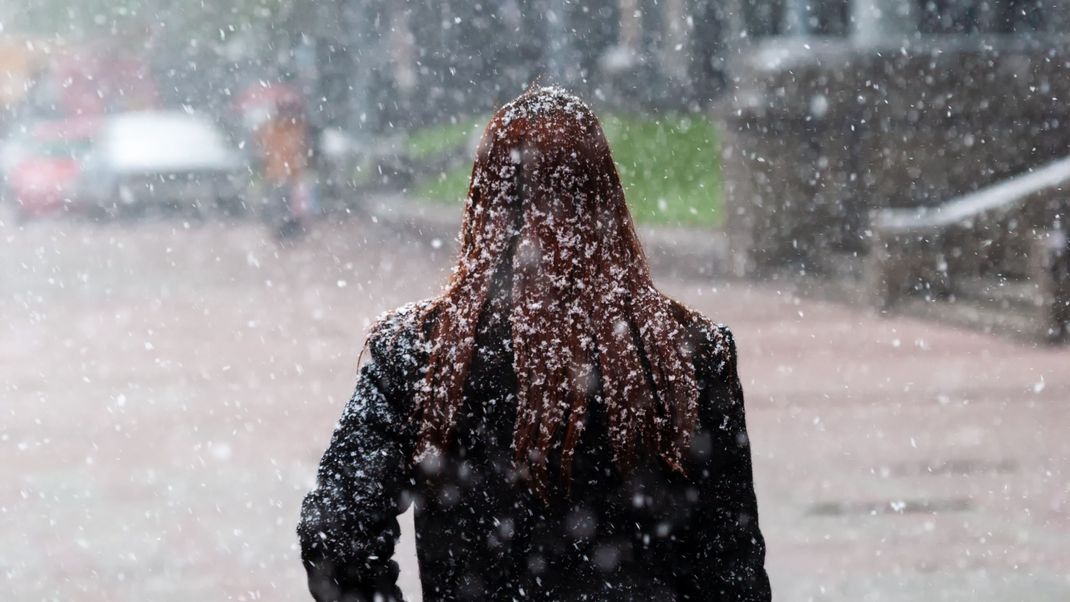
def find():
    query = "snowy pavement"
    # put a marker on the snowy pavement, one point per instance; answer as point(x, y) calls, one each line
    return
point(167, 392)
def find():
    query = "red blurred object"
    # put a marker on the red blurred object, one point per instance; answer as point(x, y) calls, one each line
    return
point(268, 95)
point(97, 79)
point(44, 179)
point(259, 103)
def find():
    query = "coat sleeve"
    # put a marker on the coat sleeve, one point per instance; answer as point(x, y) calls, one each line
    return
point(728, 551)
point(348, 525)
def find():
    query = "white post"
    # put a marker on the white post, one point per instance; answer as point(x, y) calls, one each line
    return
point(880, 19)
point(630, 25)
point(675, 48)
point(794, 20)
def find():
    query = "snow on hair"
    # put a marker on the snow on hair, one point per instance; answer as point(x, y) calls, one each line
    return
point(545, 202)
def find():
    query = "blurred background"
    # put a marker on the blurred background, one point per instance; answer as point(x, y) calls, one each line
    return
point(204, 206)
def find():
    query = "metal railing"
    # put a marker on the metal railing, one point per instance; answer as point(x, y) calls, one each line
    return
point(936, 256)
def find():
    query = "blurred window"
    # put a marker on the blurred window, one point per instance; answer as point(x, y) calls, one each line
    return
point(61, 149)
point(828, 17)
point(762, 19)
point(799, 17)
point(990, 16)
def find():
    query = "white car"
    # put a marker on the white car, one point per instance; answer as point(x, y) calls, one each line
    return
point(163, 159)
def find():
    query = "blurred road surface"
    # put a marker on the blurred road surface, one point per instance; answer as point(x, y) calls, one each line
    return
point(168, 388)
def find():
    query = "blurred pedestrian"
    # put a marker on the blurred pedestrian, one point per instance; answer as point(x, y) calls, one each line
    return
point(284, 147)
point(566, 431)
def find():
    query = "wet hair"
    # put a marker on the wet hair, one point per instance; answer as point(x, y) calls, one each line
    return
point(545, 207)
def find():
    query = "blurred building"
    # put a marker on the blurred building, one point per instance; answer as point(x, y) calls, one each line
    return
point(893, 144)
point(386, 63)
point(841, 107)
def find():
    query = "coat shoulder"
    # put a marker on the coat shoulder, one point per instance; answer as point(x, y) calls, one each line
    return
point(398, 336)
point(714, 344)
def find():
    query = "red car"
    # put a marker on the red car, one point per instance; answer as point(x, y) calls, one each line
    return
point(45, 162)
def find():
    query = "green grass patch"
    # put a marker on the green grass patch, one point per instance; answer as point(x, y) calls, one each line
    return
point(669, 167)
point(428, 142)
point(447, 187)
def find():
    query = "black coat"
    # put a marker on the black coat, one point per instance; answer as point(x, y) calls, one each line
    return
point(482, 535)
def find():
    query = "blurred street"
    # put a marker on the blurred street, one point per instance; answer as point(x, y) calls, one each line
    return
point(168, 389)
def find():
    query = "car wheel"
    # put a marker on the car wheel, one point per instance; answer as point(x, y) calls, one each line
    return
point(21, 215)
point(229, 205)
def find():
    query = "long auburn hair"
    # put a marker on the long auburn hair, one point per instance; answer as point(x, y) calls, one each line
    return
point(545, 204)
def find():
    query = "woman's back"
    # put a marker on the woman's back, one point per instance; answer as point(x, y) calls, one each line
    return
point(647, 536)
point(482, 534)
point(622, 472)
